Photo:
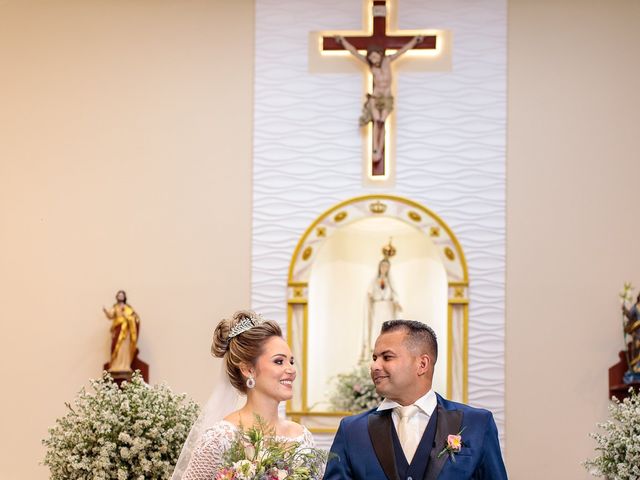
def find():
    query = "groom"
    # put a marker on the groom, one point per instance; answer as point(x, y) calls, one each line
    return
point(414, 434)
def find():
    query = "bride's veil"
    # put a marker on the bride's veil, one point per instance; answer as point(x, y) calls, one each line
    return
point(223, 400)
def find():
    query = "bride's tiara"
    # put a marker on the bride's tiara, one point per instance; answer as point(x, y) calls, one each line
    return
point(245, 324)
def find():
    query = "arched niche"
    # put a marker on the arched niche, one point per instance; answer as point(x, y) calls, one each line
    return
point(338, 249)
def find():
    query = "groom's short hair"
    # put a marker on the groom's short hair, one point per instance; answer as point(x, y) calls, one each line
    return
point(420, 336)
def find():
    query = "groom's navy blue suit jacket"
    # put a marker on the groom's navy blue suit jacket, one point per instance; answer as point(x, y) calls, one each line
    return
point(363, 446)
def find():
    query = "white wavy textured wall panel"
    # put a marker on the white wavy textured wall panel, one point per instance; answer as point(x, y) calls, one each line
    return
point(451, 130)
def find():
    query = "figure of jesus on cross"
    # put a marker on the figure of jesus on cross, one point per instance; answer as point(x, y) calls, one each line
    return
point(379, 103)
point(370, 47)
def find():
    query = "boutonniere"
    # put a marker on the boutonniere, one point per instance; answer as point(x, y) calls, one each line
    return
point(453, 446)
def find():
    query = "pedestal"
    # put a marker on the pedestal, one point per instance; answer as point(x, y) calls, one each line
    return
point(137, 364)
point(617, 387)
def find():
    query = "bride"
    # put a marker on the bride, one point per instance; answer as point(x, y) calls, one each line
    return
point(258, 363)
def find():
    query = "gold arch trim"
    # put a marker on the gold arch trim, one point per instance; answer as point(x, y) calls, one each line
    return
point(393, 198)
point(456, 291)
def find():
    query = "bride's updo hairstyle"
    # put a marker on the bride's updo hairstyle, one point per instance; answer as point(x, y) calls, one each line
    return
point(244, 347)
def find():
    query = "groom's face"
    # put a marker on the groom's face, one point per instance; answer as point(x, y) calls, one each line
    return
point(394, 368)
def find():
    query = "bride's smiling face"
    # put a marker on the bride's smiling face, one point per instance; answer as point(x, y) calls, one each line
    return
point(275, 370)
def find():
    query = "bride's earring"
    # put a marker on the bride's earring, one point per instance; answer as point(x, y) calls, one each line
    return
point(251, 382)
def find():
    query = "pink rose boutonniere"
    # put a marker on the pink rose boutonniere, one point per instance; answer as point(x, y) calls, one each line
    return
point(453, 446)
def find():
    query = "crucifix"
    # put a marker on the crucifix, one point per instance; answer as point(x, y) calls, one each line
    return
point(378, 104)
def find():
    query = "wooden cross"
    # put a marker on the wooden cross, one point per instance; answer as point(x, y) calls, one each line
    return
point(380, 39)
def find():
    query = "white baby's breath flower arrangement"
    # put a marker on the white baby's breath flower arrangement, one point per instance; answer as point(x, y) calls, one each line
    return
point(133, 432)
point(619, 443)
point(354, 391)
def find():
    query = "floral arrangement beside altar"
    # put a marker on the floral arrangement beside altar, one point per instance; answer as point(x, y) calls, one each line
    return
point(617, 445)
point(354, 391)
point(135, 431)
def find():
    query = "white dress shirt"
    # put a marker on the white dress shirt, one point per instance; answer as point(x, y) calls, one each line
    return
point(418, 423)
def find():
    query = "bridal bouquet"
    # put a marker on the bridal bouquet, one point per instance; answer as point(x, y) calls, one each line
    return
point(258, 454)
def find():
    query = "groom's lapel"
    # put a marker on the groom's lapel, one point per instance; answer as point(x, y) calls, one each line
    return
point(380, 425)
point(449, 423)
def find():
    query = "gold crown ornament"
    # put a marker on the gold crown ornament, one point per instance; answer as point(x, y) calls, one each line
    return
point(388, 250)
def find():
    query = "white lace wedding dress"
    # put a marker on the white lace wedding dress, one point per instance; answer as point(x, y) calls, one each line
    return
point(208, 455)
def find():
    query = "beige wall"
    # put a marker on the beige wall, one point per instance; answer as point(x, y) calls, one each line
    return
point(572, 181)
point(125, 149)
point(125, 162)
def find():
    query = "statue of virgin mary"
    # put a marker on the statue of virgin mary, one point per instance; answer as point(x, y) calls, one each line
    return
point(382, 302)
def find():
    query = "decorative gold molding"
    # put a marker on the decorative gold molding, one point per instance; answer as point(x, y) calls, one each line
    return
point(290, 308)
point(456, 290)
point(293, 301)
point(322, 430)
point(307, 253)
point(319, 414)
point(414, 216)
point(340, 217)
point(377, 207)
point(458, 301)
point(448, 253)
point(449, 348)
point(305, 355)
point(465, 354)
